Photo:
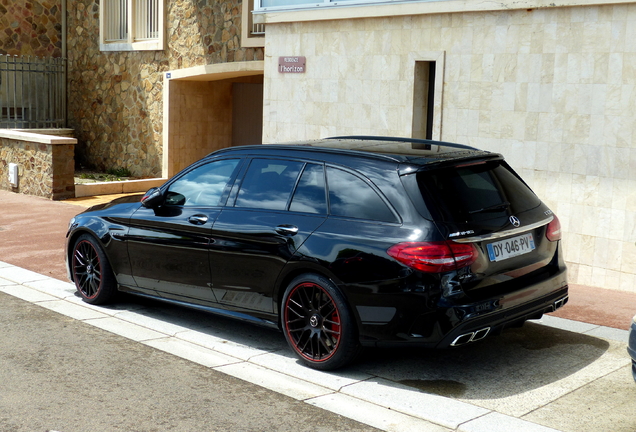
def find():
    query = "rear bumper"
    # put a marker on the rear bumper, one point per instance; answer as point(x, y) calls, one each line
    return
point(451, 324)
point(494, 323)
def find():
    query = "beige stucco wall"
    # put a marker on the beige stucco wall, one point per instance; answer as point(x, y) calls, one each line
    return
point(552, 89)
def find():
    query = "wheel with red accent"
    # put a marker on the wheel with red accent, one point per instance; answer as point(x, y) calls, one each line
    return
point(318, 324)
point(93, 276)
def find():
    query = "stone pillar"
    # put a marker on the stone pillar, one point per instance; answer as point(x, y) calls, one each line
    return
point(46, 164)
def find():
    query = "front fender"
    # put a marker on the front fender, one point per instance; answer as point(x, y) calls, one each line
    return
point(111, 238)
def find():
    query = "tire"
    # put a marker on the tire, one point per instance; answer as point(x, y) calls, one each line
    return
point(318, 324)
point(93, 276)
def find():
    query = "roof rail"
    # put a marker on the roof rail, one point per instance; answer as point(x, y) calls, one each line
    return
point(406, 140)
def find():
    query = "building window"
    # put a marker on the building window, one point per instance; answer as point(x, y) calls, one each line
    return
point(252, 26)
point(131, 25)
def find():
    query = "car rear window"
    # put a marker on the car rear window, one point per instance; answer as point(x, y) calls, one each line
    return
point(475, 192)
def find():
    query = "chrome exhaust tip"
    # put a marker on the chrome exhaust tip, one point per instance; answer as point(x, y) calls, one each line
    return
point(480, 334)
point(471, 337)
point(463, 339)
point(560, 303)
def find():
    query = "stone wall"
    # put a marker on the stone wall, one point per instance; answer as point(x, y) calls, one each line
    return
point(46, 164)
point(115, 98)
point(30, 28)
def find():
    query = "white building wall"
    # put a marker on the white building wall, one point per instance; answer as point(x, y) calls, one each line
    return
point(553, 89)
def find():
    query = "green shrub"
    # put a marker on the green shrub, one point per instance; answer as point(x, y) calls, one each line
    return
point(119, 172)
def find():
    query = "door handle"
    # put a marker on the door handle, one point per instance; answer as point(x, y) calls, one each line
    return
point(198, 219)
point(289, 230)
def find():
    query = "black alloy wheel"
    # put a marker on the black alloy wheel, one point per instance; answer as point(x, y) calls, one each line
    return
point(317, 323)
point(92, 273)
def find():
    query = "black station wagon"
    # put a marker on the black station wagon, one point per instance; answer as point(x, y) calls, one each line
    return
point(341, 243)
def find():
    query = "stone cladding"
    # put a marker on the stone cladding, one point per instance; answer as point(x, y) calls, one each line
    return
point(115, 98)
point(552, 89)
point(45, 170)
point(30, 28)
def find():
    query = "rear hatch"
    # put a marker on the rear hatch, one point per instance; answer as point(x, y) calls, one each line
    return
point(484, 203)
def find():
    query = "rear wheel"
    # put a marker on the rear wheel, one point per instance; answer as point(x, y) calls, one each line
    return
point(318, 324)
point(93, 276)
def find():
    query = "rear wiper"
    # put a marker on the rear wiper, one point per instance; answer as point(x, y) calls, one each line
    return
point(500, 206)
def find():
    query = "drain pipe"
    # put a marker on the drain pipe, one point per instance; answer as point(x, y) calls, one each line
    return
point(65, 59)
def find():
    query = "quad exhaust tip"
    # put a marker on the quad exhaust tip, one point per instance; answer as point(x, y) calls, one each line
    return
point(471, 337)
point(480, 334)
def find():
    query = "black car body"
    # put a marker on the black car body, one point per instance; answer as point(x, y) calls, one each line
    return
point(631, 346)
point(343, 243)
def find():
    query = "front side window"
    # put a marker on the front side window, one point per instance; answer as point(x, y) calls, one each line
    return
point(204, 186)
point(130, 25)
point(350, 196)
point(268, 184)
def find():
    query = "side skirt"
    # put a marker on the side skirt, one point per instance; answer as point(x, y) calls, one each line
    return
point(212, 310)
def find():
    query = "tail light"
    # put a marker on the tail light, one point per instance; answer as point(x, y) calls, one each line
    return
point(553, 231)
point(434, 257)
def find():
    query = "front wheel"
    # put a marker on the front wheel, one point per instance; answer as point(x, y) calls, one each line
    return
point(318, 324)
point(93, 276)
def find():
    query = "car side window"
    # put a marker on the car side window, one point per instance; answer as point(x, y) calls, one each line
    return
point(350, 196)
point(203, 186)
point(268, 184)
point(310, 195)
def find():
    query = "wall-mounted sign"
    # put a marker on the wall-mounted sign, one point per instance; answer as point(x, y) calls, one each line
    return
point(291, 64)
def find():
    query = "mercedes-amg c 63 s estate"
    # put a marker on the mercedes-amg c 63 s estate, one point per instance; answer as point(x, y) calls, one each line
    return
point(340, 243)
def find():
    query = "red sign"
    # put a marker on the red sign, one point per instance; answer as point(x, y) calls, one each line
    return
point(291, 64)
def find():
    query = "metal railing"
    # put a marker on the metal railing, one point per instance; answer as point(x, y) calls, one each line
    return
point(32, 92)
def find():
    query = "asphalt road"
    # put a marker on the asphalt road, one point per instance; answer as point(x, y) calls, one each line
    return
point(59, 374)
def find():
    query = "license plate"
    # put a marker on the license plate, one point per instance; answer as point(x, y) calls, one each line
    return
point(510, 248)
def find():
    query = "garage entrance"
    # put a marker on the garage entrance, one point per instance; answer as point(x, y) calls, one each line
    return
point(207, 108)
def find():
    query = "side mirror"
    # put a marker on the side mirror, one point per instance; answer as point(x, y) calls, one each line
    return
point(152, 198)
